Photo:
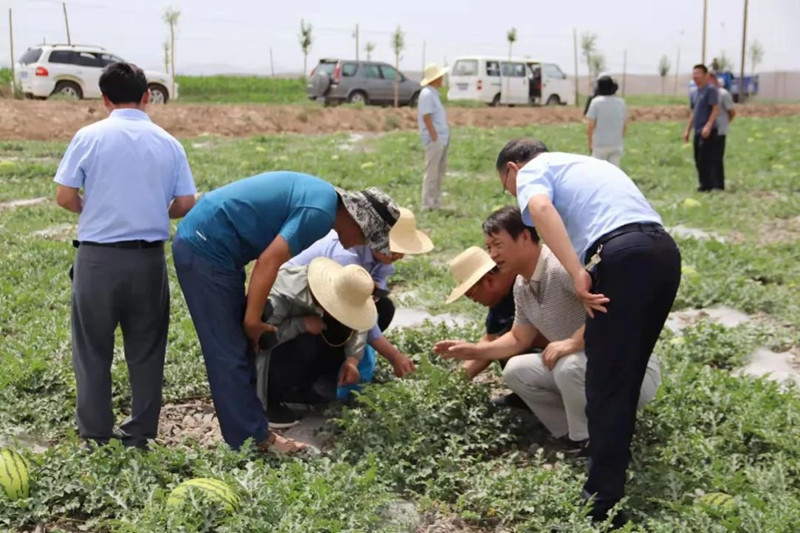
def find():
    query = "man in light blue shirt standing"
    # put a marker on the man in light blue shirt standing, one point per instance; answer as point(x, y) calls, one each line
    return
point(435, 136)
point(135, 177)
point(591, 213)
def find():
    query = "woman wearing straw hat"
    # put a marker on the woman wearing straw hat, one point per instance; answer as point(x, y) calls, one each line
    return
point(404, 238)
point(323, 313)
point(435, 135)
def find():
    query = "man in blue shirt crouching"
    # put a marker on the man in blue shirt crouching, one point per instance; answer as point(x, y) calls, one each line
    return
point(267, 218)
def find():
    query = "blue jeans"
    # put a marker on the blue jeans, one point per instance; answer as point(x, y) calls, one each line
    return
point(216, 300)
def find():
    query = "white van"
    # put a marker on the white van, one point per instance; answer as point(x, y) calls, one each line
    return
point(503, 81)
point(550, 85)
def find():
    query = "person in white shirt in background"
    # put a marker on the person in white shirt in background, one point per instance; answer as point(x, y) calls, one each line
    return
point(435, 136)
point(606, 122)
point(724, 119)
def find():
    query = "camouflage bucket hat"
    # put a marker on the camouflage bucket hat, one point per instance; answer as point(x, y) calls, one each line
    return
point(375, 213)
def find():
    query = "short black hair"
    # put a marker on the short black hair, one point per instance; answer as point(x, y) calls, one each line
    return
point(519, 151)
point(509, 219)
point(123, 83)
point(701, 67)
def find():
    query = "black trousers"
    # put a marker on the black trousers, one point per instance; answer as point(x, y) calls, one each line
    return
point(640, 272)
point(307, 362)
point(708, 161)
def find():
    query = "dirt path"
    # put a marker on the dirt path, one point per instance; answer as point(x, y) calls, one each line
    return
point(35, 120)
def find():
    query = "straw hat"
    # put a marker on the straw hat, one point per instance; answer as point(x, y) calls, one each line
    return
point(432, 72)
point(405, 238)
point(344, 292)
point(468, 268)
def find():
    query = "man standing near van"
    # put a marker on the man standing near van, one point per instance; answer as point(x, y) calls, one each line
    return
point(435, 136)
point(605, 122)
point(135, 177)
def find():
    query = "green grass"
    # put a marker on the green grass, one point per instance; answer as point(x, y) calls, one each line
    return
point(434, 439)
point(241, 89)
point(656, 99)
point(5, 82)
point(264, 90)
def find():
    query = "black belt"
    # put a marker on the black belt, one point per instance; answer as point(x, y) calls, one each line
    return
point(640, 227)
point(125, 245)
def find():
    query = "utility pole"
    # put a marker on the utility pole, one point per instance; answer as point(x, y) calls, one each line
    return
point(677, 69)
point(11, 41)
point(423, 56)
point(356, 35)
point(271, 63)
point(575, 48)
point(742, 90)
point(66, 22)
point(705, 27)
point(624, 70)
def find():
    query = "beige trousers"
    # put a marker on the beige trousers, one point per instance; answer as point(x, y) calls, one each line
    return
point(558, 397)
point(612, 154)
point(435, 167)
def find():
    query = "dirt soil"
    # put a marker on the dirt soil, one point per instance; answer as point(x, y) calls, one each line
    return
point(58, 120)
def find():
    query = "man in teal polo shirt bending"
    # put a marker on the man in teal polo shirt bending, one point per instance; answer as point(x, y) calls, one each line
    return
point(268, 218)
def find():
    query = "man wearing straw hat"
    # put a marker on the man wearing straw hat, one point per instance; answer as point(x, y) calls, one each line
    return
point(267, 218)
point(551, 383)
point(323, 312)
point(404, 238)
point(435, 135)
point(478, 277)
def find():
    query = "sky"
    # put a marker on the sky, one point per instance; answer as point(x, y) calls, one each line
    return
point(235, 36)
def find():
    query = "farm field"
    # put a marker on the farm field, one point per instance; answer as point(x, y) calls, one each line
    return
point(58, 120)
point(428, 453)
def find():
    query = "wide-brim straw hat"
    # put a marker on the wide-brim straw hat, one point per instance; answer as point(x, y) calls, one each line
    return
point(432, 73)
point(467, 269)
point(405, 238)
point(345, 292)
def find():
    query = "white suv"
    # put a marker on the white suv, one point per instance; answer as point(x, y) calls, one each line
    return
point(74, 70)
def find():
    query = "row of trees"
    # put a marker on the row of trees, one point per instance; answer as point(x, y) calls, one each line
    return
point(595, 61)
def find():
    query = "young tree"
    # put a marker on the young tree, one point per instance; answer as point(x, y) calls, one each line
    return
point(756, 53)
point(663, 70)
point(369, 47)
point(398, 45)
point(724, 63)
point(166, 56)
point(588, 48)
point(306, 41)
point(511, 37)
point(171, 16)
point(597, 64)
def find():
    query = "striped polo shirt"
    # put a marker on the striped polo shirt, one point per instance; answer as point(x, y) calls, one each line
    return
point(547, 300)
